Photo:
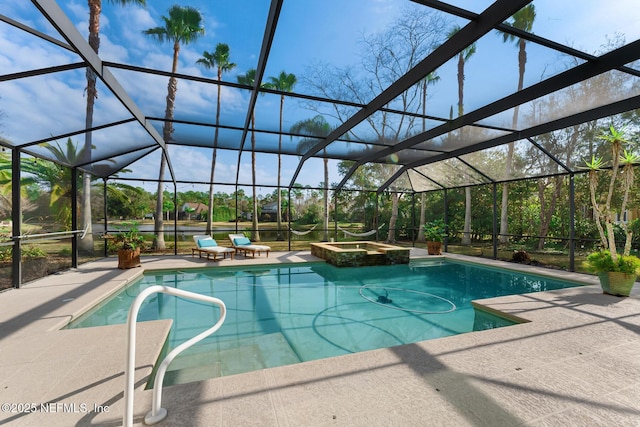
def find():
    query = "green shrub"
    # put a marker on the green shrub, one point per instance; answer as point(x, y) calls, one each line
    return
point(28, 252)
point(65, 252)
point(434, 231)
point(600, 262)
point(33, 252)
point(6, 253)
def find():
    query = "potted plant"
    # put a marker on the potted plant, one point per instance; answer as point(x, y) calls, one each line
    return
point(130, 241)
point(434, 234)
point(617, 271)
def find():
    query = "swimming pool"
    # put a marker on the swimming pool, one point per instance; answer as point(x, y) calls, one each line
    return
point(285, 314)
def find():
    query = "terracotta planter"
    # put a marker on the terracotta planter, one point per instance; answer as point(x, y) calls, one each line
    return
point(434, 248)
point(128, 258)
point(616, 283)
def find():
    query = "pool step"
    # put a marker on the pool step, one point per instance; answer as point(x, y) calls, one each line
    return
point(215, 360)
point(419, 264)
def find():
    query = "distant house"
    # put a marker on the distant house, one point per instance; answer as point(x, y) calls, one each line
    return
point(269, 212)
point(193, 211)
point(627, 216)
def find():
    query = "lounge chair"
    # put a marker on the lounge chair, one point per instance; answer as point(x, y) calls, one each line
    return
point(207, 245)
point(242, 244)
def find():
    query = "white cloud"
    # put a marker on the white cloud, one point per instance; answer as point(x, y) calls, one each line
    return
point(79, 11)
point(21, 52)
point(112, 52)
point(48, 101)
point(133, 20)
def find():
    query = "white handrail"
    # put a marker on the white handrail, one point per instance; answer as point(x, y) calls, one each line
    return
point(158, 413)
point(58, 234)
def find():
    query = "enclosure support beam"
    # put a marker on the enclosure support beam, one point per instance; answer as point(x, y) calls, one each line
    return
point(572, 225)
point(495, 221)
point(375, 220)
point(175, 218)
point(335, 215)
point(74, 217)
point(289, 218)
point(104, 212)
point(413, 220)
point(446, 220)
point(236, 218)
point(16, 218)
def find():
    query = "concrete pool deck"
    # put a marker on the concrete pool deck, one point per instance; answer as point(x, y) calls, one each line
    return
point(575, 363)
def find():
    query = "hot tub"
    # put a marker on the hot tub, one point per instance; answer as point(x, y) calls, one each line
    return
point(350, 254)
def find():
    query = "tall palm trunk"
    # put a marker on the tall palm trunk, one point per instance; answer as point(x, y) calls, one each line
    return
point(213, 160)
point(279, 198)
point(423, 217)
point(158, 224)
point(255, 233)
point(183, 25)
point(86, 244)
point(167, 131)
point(423, 210)
point(325, 219)
point(210, 213)
point(391, 236)
point(466, 235)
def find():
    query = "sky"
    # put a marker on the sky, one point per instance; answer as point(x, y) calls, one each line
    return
point(309, 32)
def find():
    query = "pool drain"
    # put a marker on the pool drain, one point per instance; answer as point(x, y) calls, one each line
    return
point(384, 299)
point(380, 295)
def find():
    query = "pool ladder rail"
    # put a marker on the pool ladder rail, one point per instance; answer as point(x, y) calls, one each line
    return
point(158, 413)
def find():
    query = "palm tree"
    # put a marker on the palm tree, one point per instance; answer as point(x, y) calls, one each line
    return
point(6, 173)
point(183, 26)
point(58, 178)
point(285, 83)
point(522, 20)
point(249, 79)
point(52, 175)
point(463, 57)
point(95, 8)
point(430, 79)
point(218, 59)
point(317, 127)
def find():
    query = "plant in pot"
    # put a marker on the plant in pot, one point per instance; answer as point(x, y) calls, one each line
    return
point(130, 242)
point(617, 271)
point(434, 234)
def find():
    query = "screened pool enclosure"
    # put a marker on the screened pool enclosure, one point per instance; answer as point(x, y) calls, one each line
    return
point(296, 122)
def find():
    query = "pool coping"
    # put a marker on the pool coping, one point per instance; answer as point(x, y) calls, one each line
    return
point(570, 334)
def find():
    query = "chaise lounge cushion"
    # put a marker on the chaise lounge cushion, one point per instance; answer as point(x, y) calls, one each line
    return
point(207, 243)
point(241, 241)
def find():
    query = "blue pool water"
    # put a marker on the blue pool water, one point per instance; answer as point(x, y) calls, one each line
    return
point(279, 315)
